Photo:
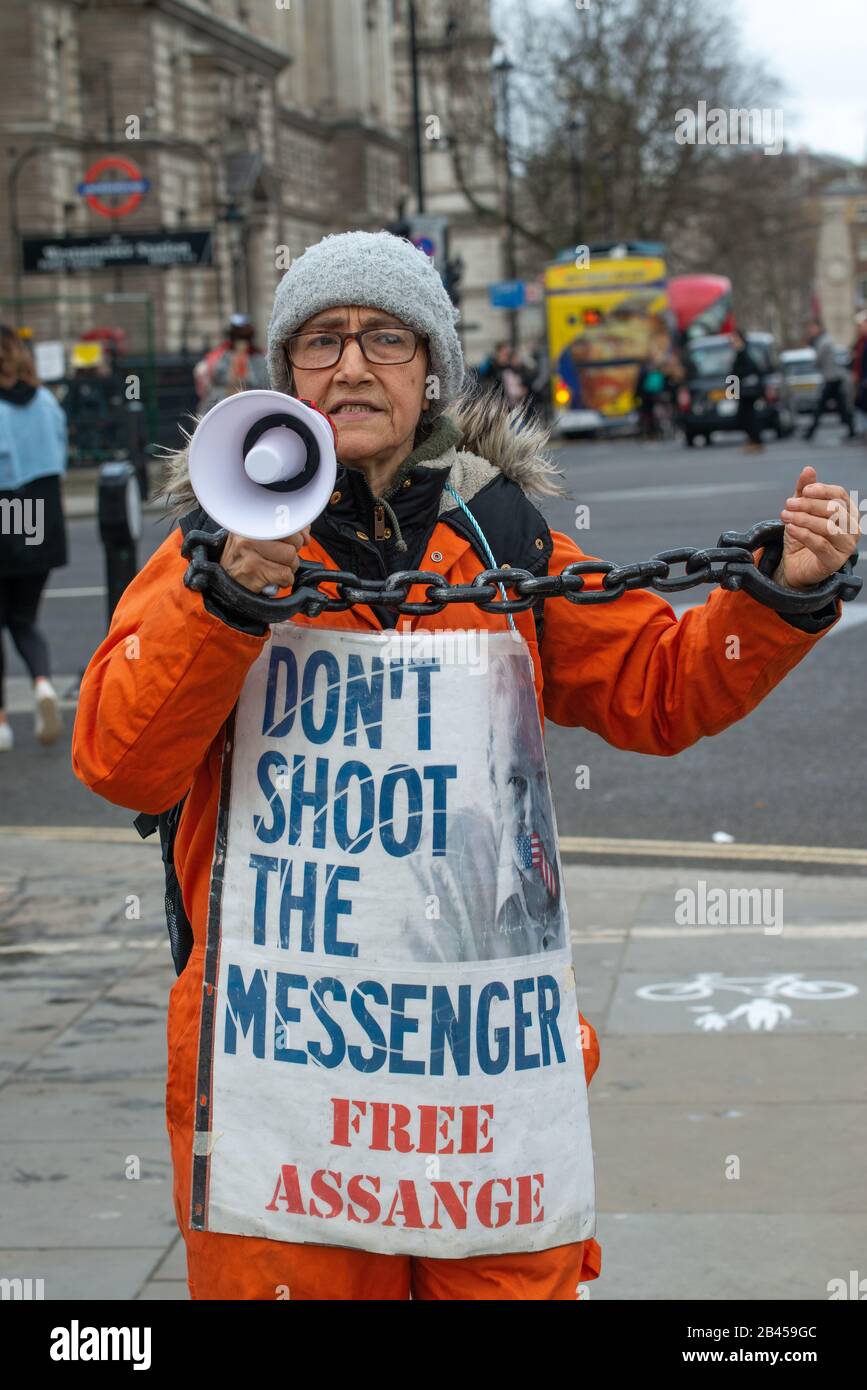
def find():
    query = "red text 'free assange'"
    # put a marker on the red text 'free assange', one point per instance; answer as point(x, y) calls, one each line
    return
point(381, 1126)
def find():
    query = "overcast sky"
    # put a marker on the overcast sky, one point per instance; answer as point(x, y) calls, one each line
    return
point(819, 50)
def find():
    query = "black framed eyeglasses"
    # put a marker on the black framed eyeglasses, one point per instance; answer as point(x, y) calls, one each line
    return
point(382, 346)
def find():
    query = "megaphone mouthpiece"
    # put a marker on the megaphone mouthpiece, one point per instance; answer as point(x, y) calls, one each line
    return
point(276, 458)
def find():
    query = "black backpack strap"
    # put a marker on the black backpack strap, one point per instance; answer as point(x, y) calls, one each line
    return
point(177, 921)
point(514, 528)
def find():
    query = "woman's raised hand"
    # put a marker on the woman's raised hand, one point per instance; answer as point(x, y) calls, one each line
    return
point(258, 564)
point(822, 530)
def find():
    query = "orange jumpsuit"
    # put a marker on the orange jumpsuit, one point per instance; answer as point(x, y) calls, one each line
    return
point(150, 728)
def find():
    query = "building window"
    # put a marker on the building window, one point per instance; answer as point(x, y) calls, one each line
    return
point(60, 73)
point(380, 180)
point(305, 170)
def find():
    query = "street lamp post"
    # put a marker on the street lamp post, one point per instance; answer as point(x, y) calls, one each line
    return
point(234, 219)
point(416, 106)
point(504, 68)
point(185, 295)
point(575, 155)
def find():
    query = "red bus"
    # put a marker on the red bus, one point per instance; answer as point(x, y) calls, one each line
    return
point(701, 304)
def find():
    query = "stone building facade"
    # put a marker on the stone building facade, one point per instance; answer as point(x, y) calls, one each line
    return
point(457, 95)
point(267, 122)
point(841, 262)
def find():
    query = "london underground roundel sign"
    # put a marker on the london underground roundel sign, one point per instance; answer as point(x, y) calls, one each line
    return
point(113, 177)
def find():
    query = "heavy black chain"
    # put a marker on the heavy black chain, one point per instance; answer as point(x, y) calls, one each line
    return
point(729, 563)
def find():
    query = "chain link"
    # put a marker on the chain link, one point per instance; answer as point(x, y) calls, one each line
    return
point(729, 563)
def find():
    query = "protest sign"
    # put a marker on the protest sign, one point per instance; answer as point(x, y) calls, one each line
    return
point(390, 1053)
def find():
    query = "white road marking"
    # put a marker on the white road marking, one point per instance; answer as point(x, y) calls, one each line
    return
point(94, 944)
point(662, 493)
point(89, 834)
point(833, 931)
point(765, 1008)
point(579, 845)
point(571, 846)
point(75, 593)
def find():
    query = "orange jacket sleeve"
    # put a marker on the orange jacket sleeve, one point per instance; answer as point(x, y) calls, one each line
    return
point(631, 672)
point(589, 1048)
point(158, 689)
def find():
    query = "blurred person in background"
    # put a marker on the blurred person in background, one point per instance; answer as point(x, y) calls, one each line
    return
point(490, 373)
point(540, 386)
point(93, 402)
point(649, 390)
point(749, 378)
point(33, 453)
point(236, 364)
point(516, 379)
point(859, 363)
point(675, 375)
point(833, 380)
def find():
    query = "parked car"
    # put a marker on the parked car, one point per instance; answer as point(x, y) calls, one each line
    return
point(805, 380)
point(704, 405)
point(801, 371)
point(844, 357)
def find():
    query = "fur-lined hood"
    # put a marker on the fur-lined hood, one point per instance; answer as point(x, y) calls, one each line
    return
point(495, 439)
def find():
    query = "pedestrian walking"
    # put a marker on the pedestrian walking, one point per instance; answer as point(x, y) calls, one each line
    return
point(33, 455)
point(833, 380)
point(748, 374)
point(437, 1013)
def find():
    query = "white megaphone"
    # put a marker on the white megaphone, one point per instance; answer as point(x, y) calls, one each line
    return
point(263, 464)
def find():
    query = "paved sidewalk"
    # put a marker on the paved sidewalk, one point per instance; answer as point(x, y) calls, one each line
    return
point(82, 1069)
point(80, 486)
point(695, 1078)
point(729, 1125)
point(81, 505)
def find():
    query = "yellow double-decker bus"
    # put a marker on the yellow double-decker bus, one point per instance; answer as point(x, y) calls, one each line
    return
point(607, 313)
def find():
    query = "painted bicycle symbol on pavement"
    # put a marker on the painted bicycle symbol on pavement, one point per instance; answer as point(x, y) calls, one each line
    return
point(763, 1010)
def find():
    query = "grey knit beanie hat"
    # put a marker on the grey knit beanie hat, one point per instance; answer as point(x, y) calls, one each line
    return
point(379, 271)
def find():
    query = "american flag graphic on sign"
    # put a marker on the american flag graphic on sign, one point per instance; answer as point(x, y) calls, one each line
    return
point(531, 855)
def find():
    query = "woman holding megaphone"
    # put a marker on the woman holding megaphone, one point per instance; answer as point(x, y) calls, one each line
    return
point(377, 1081)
